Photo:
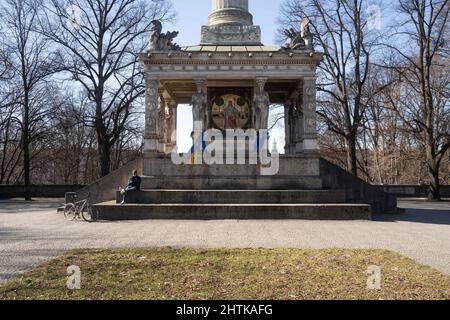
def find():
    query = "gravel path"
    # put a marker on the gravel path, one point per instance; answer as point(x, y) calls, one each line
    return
point(31, 234)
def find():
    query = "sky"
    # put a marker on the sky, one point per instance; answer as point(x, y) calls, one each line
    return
point(191, 15)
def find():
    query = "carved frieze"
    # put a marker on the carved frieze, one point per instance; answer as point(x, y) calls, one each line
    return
point(151, 109)
point(231, 35)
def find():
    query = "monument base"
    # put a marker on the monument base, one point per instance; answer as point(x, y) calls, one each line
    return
point(187, 211)
point(306, 187)
point(295, 172)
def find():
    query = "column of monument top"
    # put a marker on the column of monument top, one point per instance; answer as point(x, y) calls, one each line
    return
point(230, 12)
point(223, 4)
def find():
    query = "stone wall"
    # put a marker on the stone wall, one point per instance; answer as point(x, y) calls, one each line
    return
point(106, 188)
point(414, 191)
point(37, 191)
point(357, 190)
point(295, 172)
point(383, 199)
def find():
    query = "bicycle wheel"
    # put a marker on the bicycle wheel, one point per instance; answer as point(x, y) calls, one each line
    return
point(89, 214)
point(70, 212)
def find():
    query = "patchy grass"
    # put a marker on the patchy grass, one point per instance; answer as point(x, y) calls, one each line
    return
point(230, 274)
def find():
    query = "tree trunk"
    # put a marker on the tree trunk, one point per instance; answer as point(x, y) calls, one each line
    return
point(352, 163)
point(26, 164)
point(434, 193)
point(105, 158)
point(26, 149)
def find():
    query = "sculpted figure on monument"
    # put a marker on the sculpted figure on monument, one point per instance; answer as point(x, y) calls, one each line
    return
point(162, 114)
point(305, 33)
point(159, 40)
point(297, 114)
point(295, 40)
point(198, 106)
point(298, 40)
point(199, 101)
point(261, 105)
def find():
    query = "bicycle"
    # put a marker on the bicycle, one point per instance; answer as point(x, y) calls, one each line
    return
point(80, 210)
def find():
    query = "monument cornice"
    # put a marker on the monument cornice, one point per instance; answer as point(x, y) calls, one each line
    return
point(170, 58)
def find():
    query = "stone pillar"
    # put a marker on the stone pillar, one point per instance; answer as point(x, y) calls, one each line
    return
point(151, 130)
point(162, 124)
point(294, 123)
point(261, 104)
point(230, 12)
point(199, 102)
point(309, 106)
point(287, 129)
point(298, 129)
point(291, 123)
point(171, 124)
point(223, 4)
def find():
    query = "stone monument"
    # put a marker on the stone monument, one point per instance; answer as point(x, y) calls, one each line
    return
point(231, 60)
point(230, 78)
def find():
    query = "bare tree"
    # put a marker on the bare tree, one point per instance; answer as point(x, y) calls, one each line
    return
point(424, 77)
point(4, 63)
point(99, 43)
point(10, 144)
point(31, 62)
point(344, 31)
point(6, 75)
point(8, 158)
point(71, 139)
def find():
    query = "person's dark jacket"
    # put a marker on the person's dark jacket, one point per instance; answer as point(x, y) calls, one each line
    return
point(135, 182)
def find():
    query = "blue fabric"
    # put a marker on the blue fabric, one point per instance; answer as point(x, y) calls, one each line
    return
point(261, 140)
point(127, 191)
point(204, 146)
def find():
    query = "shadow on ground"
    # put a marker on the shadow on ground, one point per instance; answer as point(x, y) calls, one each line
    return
point(427, 216)
point(17, 206)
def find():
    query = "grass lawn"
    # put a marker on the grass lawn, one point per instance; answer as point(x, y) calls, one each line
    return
point(230, 274)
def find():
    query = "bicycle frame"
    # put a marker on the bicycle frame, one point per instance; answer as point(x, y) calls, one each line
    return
point(83, 206)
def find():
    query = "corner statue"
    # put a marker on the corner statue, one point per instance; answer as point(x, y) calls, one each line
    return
point(161, 41)
point(297, 40)
point(305, 33)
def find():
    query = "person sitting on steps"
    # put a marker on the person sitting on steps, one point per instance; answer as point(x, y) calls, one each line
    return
point(134, 184)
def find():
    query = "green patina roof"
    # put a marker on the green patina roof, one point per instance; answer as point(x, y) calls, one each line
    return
point(211, 48)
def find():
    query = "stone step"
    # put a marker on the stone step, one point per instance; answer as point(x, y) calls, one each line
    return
point(114, 211)
point(232, 182)
point(235, 196)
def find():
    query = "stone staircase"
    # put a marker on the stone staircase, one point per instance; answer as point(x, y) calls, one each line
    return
point(236, 196)
point(306, 187)
point(234, 204)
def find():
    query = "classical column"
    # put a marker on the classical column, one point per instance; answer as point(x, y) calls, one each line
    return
point(310, 136)
point(162, 125)
point(287, 128)
point(298, 117)
point(294, 122)
point(261, 104)
point(291, 122)
point(230, 12)
point(222, 4)
point(172, 106)
point(199, 101)
point(151, 137)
